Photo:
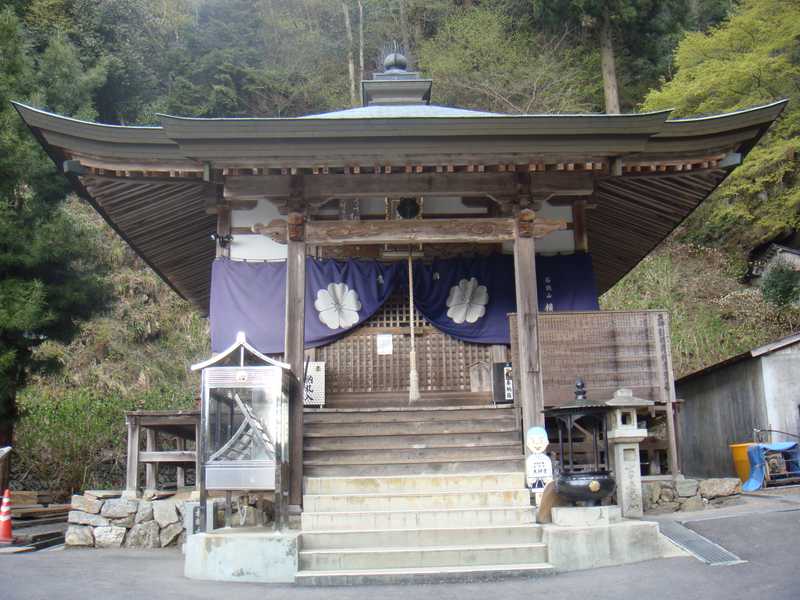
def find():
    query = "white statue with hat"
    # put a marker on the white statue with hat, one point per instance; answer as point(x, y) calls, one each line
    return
point(538, 466)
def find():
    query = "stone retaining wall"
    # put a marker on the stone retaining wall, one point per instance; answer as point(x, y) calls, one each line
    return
point(688, 494)
point(107, 520)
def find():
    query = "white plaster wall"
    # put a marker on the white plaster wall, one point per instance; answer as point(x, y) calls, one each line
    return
point(254, 246)
point(782, 391)
point(558, 241)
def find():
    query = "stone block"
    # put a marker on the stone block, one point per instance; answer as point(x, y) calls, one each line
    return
point(718, 488)
point(145, 512)
point(574, 516)
point(126, 522)
point(667, 507)
point(170, 533)
point(109, 537)
point(143, 535)
point(119, 508)
point(78, 517)
point(667, 494)
point(686, 488)
point(693, 503)
point(651, 491)
point(165, 513)
point(576, 548)
point(79, 535)
point(102, 494)
point(86, 504)
point(267, 557)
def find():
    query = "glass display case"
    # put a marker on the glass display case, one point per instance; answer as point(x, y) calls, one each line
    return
point(240, 417)
point(244, 424)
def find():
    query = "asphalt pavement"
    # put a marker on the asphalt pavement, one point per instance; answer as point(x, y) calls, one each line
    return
point(768, 541)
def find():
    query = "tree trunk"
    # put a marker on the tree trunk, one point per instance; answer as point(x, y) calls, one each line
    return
point(608, 65)
point(360, 40)
point(351, 67)
point(404, 28)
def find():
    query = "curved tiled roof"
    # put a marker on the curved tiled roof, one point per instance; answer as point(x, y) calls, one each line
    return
point(147, 181)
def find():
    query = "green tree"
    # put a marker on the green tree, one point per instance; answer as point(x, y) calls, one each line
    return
point(47, 276)
point(752, 58)
point(632, 38)
point(478, 60)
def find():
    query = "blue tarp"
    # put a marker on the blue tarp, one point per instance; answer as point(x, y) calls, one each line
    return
point(756, 455)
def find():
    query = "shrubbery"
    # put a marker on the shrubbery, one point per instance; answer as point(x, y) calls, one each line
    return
point(781, 284)
point(76, 439)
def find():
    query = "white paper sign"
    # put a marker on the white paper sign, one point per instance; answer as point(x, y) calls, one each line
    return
point(384, 343)
point(539, 471)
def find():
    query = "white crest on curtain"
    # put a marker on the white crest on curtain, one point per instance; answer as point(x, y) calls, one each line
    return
point(337, 306)
point(467, 301)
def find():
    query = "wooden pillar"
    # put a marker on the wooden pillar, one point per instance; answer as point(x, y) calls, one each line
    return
point(674, 464)
point(150, 469)
point(529, 374)
point(223, 229)
point(294, 342)
point(579, 226)
point(132, 475)
point(180, 472)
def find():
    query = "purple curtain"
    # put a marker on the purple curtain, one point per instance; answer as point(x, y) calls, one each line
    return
point(251, 297)
point(470, 298)
point(467, 298)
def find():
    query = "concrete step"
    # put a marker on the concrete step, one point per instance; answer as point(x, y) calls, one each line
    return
point(412, 519)
point(444, 556)
point(409, 538)
point(459, 574)
point(513, 462)
point(460, 482)
point(434, 440)
point(414, 500)
point(408, 455)
point(431, 426)
point(391, 415)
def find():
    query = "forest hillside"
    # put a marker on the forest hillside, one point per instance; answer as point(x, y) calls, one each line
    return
point(87, 331)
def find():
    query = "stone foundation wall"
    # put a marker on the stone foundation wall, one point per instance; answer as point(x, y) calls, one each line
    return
point(107, 520)
point(689, 494)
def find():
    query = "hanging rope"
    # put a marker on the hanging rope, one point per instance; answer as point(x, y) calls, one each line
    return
point(413, 376)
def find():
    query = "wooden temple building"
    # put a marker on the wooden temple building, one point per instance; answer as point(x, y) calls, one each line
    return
point(402, 177)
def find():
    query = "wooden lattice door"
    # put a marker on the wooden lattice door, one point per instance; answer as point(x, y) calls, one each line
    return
point(353, 365)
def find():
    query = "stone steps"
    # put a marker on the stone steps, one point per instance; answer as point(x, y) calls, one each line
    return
point(415, 500)
point(391, 456)
point(424, 518)
point(451, 574)
point(416, 557)
point(416, 494)
point(502, 463)
point(462, 482)
point(421, 537)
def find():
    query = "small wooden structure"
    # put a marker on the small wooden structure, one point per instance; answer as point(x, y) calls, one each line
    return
point(733, 401)
point(182, 427)
point(328, 185)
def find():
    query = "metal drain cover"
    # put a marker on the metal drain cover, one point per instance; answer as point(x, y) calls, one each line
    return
point(698, 546)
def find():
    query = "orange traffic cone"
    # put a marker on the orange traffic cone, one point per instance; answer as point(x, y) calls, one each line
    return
point(6, 536)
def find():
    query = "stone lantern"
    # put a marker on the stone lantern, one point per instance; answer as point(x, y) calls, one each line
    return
point(624, 435)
